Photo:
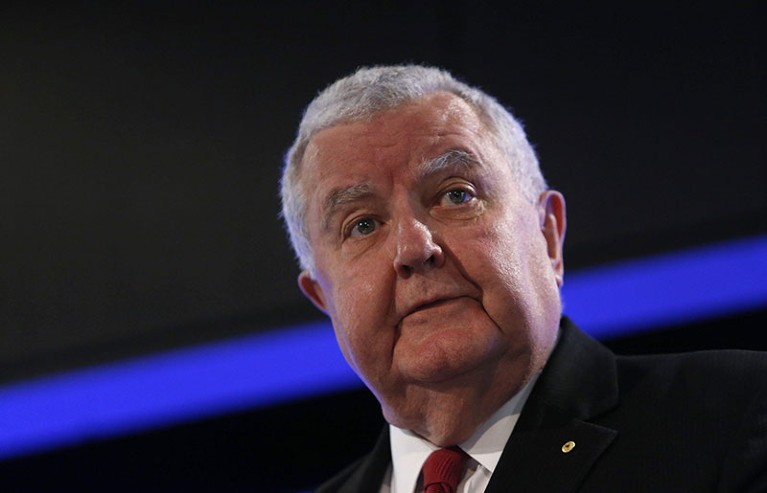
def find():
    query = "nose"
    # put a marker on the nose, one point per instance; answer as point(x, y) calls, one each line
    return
point(417, 249)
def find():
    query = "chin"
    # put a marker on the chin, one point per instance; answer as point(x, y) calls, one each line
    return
point(443, 364)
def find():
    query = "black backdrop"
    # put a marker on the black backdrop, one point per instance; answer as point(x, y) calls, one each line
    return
point(140, 146)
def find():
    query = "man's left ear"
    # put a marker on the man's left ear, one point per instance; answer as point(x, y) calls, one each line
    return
point(553, 222)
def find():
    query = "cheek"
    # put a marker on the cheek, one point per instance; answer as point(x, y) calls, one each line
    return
point(511, 267)
point(497, 255)
point(360, 318)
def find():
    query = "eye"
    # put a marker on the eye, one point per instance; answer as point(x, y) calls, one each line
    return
point(457, 196)
point(363, 227)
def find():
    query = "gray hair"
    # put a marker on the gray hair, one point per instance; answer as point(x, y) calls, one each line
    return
point(369, 91)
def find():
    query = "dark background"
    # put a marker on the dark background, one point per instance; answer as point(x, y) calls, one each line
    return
point(140, 148)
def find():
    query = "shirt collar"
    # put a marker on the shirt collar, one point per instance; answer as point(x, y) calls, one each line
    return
point(409, 451)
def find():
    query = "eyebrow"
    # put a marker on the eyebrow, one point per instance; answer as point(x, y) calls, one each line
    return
point(342, 196)
point(453, 158)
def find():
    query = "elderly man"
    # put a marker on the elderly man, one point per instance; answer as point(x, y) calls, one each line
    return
point(426, 232)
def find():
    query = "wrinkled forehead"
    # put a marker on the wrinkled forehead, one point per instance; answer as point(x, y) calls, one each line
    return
point(429, 133)
point(431, 111)
point(437, 115)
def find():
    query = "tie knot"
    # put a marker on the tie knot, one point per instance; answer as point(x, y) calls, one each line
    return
point(443, 469)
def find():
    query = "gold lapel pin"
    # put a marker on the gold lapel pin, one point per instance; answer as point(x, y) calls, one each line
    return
point(568, 446)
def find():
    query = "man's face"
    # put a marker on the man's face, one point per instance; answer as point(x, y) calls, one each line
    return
point(435, 269)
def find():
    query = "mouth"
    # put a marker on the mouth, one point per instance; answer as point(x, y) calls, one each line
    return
point(434, 303)
point(432, 310)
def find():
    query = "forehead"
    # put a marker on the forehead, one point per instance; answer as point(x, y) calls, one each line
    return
point(437, 114)
point(403, 136)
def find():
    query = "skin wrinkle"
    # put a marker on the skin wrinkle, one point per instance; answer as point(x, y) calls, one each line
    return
point(443, 370)
point(463, 273)
point(452, 158)
point(345, 196)
point(372, 91)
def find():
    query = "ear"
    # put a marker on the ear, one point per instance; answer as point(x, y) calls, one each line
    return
point(312, 290)
point(553, 222)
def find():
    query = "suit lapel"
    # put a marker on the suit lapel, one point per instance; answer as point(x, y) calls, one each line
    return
point(537, 461)
point(578, 383)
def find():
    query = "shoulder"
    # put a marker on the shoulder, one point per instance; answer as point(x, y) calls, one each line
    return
point(701, 398)
point(708, 407)
point(714, 381)
point(731, 371)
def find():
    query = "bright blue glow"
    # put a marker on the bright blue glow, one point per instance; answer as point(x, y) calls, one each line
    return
point(172, 387)
point(627, 297)
point(304, 361)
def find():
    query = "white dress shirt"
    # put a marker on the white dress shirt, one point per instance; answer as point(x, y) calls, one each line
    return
point(409, 451)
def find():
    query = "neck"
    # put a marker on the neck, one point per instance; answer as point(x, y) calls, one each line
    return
point(449, 414)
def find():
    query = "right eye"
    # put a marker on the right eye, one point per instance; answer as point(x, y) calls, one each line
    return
point(363, 227)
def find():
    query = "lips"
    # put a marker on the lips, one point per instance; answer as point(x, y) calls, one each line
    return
point(420, 297)
point(432, 302)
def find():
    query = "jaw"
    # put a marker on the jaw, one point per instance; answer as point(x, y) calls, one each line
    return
point(448, 413)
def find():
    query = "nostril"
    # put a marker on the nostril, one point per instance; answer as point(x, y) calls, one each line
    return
point(416, 249)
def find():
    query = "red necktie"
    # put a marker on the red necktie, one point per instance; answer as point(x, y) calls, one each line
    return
point(443, 469)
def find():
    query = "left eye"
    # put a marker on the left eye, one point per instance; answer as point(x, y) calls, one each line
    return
point(457, 196)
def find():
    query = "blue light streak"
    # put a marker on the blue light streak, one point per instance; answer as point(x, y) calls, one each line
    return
point(304, 361)
point(665, 290)
point(172, 387)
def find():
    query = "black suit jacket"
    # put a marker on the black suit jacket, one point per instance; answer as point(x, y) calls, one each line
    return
point(693, 422)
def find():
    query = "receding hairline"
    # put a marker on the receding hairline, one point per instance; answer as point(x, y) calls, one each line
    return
point(299, 158)
point(345, 194)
